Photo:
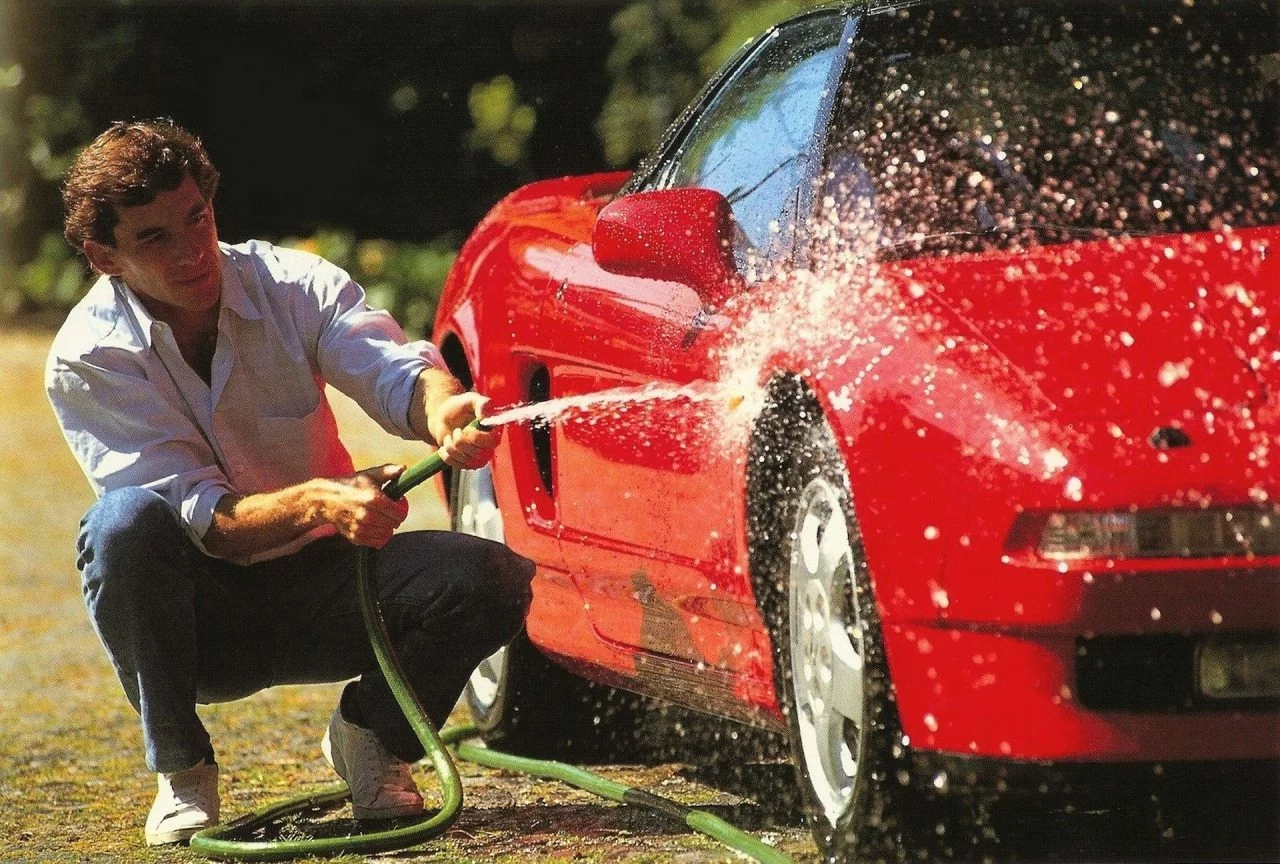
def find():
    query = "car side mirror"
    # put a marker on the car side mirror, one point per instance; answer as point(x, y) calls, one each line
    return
point(676, 235)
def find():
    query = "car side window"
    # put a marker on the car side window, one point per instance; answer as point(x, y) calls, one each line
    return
point(758, 141)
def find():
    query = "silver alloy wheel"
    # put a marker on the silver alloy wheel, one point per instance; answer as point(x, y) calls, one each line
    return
point(475, 511)
point(827, 649)
point(475, 506)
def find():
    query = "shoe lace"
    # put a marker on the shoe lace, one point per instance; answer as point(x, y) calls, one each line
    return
point(187, 787)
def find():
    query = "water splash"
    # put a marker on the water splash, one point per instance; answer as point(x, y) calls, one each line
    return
point(727, 395)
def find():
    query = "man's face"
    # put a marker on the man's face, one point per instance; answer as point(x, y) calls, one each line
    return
point(166, 251)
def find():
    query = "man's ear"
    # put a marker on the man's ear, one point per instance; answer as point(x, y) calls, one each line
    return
point(103, 258)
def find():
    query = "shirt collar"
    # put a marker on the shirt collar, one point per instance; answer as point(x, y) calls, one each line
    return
point(234, 297)
point(142, 321)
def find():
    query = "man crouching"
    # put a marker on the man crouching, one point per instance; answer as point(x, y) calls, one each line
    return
point(220, 557)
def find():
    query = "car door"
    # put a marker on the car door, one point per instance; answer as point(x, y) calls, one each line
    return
point(643, 501)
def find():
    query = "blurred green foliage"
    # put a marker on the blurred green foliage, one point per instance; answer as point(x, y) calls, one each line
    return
point(54, 279)
point(663, 52)
point(43, 124)
point(403, 278)
point(503, 123)
point(44, 121)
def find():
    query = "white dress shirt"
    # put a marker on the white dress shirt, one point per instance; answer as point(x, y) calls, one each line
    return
point(135, 414)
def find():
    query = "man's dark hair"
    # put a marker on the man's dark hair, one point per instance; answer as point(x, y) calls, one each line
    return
point(127, 166)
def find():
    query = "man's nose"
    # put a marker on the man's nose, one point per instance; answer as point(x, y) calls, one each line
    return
point(192, 247)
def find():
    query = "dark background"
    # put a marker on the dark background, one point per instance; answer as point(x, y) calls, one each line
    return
point(294, 99)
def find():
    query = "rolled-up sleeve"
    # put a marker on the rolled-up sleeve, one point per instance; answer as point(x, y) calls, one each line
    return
point(124, 433)
point(363, 352)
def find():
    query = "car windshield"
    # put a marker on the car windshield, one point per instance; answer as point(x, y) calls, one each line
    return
point(1018, 127)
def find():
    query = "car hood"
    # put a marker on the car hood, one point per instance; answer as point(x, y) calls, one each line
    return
point(1165, 328)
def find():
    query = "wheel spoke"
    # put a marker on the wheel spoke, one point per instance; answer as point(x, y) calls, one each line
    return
point(479, 514)
point(486, 680)
point(827, 736)
point(846, 675)
point(810, 552)
point(835, 545)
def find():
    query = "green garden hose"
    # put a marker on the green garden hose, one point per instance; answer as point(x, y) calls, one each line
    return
point(698, 820)
point(215, 842)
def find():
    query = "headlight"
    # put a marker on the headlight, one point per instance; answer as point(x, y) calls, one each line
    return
point(1209, 533)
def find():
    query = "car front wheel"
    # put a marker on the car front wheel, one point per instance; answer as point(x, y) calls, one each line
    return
point(816, 595)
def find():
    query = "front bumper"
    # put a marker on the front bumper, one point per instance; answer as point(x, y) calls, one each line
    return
point(1014, 695)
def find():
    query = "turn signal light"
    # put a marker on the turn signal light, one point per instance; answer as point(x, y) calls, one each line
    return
point(1209, 533)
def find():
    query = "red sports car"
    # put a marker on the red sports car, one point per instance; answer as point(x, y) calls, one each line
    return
point(941, 416)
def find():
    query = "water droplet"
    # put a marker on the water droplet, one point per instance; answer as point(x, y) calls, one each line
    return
point(1171, 373)
point(939, 595)
point(931, 533)
point(931, 723)
point(1074, 489)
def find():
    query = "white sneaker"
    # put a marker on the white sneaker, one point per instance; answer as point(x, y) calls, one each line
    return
point(186, 803)
point(381, 785)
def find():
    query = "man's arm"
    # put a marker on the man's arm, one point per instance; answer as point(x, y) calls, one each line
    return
point(404, 386)
point(439, 414)
point(356, 506)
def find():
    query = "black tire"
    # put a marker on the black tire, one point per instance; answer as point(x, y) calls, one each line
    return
point(854, 805)
point(523, 702)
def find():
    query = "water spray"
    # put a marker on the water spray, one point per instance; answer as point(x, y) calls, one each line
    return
point(217, 841)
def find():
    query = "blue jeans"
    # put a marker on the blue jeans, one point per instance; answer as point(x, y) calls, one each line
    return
point(182, 628)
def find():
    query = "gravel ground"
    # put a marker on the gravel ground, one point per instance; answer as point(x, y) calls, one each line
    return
point(72, 783)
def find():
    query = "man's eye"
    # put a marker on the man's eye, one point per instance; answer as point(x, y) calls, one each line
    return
point(202, 216)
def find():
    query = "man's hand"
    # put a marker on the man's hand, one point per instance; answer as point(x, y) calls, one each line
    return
point(460, 445)
point(355, 505)
point(444, 407)
point(360, 510)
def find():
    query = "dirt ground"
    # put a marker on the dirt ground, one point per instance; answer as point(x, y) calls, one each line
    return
point(73, 786)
